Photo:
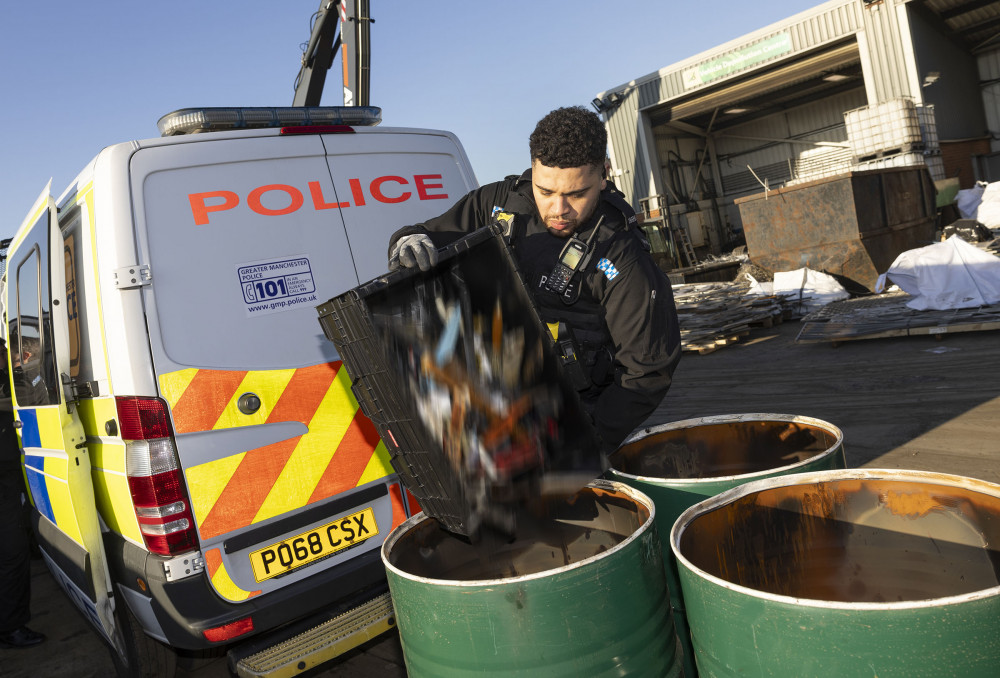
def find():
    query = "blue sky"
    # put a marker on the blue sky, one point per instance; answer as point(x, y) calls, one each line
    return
point(79, 76)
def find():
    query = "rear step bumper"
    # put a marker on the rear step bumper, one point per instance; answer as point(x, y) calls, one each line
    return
point(321, 643)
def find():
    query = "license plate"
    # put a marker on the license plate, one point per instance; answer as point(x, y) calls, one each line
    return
point(313, 545)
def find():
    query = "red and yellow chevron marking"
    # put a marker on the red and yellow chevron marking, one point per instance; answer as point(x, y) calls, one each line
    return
point(341, 449)
point(412, 504)
point(402, 508)
point(221, 581)
point(398, 510)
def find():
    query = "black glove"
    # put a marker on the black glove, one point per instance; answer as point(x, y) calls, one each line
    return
point(412, 251)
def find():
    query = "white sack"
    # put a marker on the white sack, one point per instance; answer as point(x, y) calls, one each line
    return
point(968, 200)
point(820, 288)
point(758, 288)
point(949, 274)
point(988, 213)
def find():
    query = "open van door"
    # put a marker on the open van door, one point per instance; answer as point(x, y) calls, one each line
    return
point(56, 457)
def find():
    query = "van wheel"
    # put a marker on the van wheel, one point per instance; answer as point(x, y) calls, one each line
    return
point(144, 656)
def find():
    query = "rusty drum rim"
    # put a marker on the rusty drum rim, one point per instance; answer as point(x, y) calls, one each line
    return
point(729, 419)
point(740, 491)
point(607, 485)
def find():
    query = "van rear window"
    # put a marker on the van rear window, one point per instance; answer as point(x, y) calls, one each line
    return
point(30, 327)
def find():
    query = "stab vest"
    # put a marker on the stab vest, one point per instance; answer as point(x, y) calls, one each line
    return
point(582, 316)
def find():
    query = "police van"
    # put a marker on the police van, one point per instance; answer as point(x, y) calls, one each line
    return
point(200, 472)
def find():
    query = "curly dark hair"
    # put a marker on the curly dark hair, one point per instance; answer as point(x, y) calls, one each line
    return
point(569, 137)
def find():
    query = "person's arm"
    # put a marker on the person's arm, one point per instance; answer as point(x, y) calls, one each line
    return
point(642, 319)
point(472, 211)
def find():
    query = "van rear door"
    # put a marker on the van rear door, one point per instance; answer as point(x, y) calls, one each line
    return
point(392, 180)
point(56, 458)
point(244, 237)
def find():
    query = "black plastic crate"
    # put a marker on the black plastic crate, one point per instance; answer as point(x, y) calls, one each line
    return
point(460, 377)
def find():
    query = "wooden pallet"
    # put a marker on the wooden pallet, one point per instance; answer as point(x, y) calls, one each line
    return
point(708, 343)
point(885, 153)
point(886, 315)
point(714, 315)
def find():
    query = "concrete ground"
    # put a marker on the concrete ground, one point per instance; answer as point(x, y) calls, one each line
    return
point(903, 403)
point(74, 651)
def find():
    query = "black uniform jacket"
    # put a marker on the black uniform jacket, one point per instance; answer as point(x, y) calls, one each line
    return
point(625, 301)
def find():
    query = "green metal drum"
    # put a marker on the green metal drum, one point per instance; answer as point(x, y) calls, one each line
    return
point(845, 573)
point(681, 463)
point(580, 591)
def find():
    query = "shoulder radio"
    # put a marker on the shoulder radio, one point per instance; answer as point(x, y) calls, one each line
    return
point(573, 257)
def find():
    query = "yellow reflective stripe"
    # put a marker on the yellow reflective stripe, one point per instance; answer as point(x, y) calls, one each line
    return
point(378, 466)
point(57, 489)
point(553, 330)
point(94, 414)
point(313, 453)
point(226, 587)
point(56, 471)
point(49, 428)
point(40, 206)
point(108, 456)
point(114, 501)
point(207, 481)
point(264, 384)
point(55, 466)
point(173, 384)
point(95, 280)
point(81, 193)
point(111, 491)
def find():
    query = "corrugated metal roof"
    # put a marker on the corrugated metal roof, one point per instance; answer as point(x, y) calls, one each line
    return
point(828, 22)
point(855, 48)
point(974, 22)
point(797, 82)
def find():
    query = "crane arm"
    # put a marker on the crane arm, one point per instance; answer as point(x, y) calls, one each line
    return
point(353, 41)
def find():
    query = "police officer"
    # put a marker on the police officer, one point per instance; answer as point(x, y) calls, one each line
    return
point(616, 310)
point(15, 566)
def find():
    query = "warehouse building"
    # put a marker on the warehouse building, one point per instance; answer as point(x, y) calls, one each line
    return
point(849, 85)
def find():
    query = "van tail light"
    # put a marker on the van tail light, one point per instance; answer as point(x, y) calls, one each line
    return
point(159, 496)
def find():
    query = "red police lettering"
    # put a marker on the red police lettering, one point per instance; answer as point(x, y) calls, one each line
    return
point(253, 200)
point(428, 187)
point(200, 209)
point(359, 197)
point(422, 186)
point(376, 189)
point(319, 201)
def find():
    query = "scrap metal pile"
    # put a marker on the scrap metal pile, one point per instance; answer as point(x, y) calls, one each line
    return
point(466, 372)
point(713, 315)
point(460, 377)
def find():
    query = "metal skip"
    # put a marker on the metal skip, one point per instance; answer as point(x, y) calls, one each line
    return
point(856, 572)
point(683, 462)
point(579, 591)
